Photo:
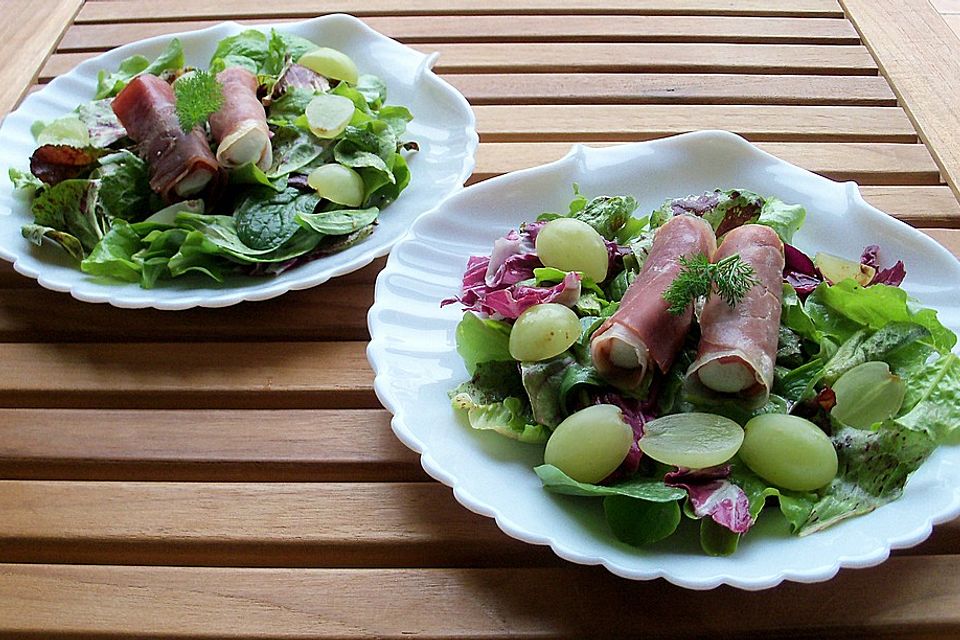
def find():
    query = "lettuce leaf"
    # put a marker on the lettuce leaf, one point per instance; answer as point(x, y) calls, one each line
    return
point(110, 84)
point(862, 346)
point(482, 340)
point(113, 256)
point(842, 309)
point(35, 233)
point(640, 522)
point(638, 487)
point(785, 219)
point(542, 382)
point(124, 186)
point(24, 181)
point(339, 222)
point(874, 466)
point(70, 206)
point(494, 400)
point(932, 401)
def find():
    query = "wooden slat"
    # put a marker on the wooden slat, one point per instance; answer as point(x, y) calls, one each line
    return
point(904, 596)
point(299, 315)
point(250, 524)
point(520, 28)
point(522, 123)
point(949, 238)
point(618, 57)
point(319, 524)
point(918, 54)
point(199, 375)
point(669, 88)
point(168, 10)
point(920, 206)
point(27, 37)
point(863, 163)
point(212, 445)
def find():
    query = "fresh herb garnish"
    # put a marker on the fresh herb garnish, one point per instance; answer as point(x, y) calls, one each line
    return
point(198, 95)
point(731, 278)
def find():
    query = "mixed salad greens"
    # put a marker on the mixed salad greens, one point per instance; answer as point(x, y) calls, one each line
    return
point(865, 384)
point(337, 160)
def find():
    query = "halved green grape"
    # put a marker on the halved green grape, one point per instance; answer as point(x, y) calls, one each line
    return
point(330, 63)
point(573, 245)
point(543, 331)
point(589, 444)
point(692, 440)
point(789, 452)
point(337, 183)
point(328, 115)
point(867, 394)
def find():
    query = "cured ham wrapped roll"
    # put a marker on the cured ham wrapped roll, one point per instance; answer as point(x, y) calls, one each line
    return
point(240, 126)
point(643, 330)
point(738, 344)
point(181, 164)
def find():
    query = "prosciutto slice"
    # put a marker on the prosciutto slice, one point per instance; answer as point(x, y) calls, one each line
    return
point(642, 330)
point(181, 164)
point(738, 344)
point(240, 126)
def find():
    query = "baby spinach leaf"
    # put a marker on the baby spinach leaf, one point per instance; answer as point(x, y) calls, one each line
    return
point(639, 487)
point(340, 222)
point(293, 149)
point(641, 522)
point(267, 219)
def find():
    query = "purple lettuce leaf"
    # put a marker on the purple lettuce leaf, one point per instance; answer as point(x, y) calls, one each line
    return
point(799, 271)
point(892, 275)
point(712, 494)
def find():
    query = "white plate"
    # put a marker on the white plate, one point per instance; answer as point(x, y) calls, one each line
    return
point(412, 352)
point(443, 125)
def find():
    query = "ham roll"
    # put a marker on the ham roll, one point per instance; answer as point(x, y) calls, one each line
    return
point(240, 126)
point(738, 344)
point(643, 330)
point(181, 164)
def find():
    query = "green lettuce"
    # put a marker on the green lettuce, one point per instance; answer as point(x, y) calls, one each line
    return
point(482, 340)
point(494, 400)
point(541, 382)
point(873, 468)
point(35, 233)
point(785, 219)
point(124, 186)
point(113, 257)
point(70, 206)
point(339, 221)
point(932, 401)
point(24, 181)
point(110, 84)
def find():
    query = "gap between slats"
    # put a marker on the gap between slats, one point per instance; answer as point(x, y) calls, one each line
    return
point(174, 10)
point(618, 57)
point(524, 28)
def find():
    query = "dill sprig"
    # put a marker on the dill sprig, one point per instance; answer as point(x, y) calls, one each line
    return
point(730, 278)
point(198, 95)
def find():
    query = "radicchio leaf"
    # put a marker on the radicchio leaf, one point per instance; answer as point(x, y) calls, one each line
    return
point(637, 413)
point(712, 494)
point(892, 275)
point(799, 271)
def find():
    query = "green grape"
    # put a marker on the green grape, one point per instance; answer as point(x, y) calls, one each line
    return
point(692, 440)
point(573, 245)
point(330, 63)
point(328, 115)
point(337, 183)
point(789, 452)
point(867, 394)
point(589, 444)
point(543, 331)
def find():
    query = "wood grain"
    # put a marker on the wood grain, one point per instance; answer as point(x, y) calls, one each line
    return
point(669, 88)
point(918, 54)
point(904, 597)
point(28, 36)
point(211, 445)
point(617, 57)
point(921, 206)
point(549, 123)
point(315, 524)
point(523, 28)
point(864, 163)
point(172, 10)
point(180, 375)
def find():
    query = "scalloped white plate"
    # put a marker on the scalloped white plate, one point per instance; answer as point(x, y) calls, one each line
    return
point(412, 351)
point(443, 125)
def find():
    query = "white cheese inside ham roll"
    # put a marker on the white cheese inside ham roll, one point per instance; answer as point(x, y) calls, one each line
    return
point(181, 164)
point(738, 344)
point(643, 330)
point(239, 127)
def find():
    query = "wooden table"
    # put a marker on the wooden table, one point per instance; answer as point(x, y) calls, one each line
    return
point(229, 472)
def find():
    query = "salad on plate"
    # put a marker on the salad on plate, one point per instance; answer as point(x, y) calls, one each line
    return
point(692, 364)
point(279, 153)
